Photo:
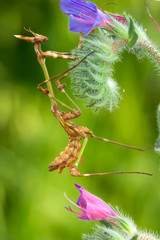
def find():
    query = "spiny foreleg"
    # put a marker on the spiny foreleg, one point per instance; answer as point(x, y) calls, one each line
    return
point(65, 115)
point(40, 39)
point(62, 75)
point(54, 54)
point(61, 87)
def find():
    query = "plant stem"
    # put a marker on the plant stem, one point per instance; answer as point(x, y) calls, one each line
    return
point(141, 43)
point(118, 44)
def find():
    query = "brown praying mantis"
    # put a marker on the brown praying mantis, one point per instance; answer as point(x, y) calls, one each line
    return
point(72, 155)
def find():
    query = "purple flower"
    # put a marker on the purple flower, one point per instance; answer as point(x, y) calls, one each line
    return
point(85, 16)
point(92, 207)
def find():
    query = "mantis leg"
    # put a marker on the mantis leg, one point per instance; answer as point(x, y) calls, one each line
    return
point(108, 173)
point(54, 54)
point(81, 152)
point(121, 144)
point(46, 92)
point(62, 86)
point(65, 74)
point(74, 171)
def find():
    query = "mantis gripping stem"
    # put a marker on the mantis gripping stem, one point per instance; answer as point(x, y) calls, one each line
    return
point(72, 155)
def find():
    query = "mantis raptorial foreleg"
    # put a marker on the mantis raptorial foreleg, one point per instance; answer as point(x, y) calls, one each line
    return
point(60, 86)
point(54, 54)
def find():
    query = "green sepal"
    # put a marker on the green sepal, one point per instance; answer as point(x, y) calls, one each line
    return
point(126, 18)
point(103, 233)
point(115, 29)
point(113, 235)
point(123, 223)
point(133, 36)
point(110, 224)
point(134, 237)
point(119, 29)
point(107, 224)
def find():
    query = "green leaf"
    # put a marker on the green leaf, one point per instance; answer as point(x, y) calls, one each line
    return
point(119, 28)
point(133, 36)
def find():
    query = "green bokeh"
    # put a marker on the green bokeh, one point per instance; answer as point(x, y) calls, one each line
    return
point(31, 198)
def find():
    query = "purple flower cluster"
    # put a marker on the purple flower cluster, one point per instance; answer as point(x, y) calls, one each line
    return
point(84, 16)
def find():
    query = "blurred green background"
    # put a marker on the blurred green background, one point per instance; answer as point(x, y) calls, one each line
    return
point(31, 198)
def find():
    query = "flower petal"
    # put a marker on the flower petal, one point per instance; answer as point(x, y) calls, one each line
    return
point(83, 16)
point(79, 26)
point(95, 207)
point(80, 9)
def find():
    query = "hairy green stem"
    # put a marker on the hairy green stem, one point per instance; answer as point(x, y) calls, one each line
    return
point(118, 44)
point(150, 49)
point(141, 43)
point(145, 237)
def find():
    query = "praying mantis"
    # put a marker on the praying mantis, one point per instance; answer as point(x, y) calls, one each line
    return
point(72, 155)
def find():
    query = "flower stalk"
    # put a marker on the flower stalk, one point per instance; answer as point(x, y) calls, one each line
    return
point(150, 49)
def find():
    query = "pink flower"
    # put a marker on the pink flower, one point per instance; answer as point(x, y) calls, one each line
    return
point(92, 207)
